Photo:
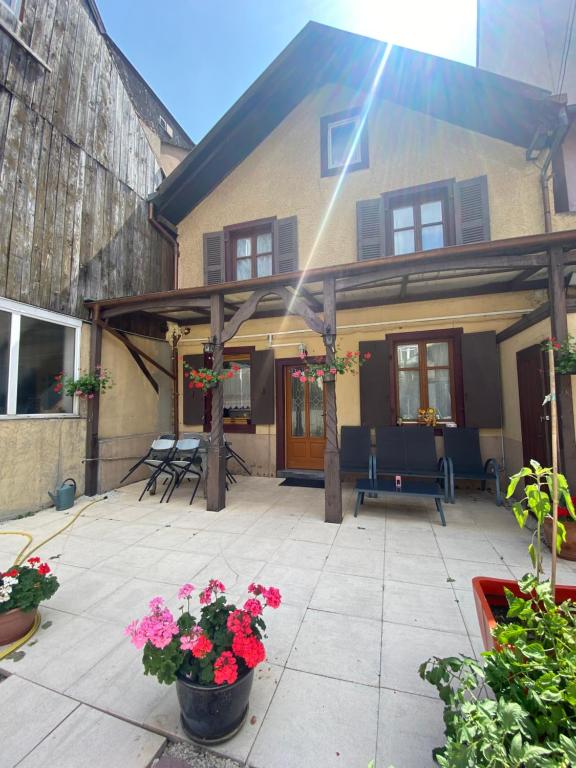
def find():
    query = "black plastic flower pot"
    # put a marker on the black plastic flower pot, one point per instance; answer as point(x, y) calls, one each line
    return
point(212, 714)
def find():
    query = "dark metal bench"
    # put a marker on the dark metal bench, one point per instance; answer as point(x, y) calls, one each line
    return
point(409, 488)
point(462, 454)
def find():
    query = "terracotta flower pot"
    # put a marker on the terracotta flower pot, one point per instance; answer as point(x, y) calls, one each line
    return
point(212, 714)
point(489, 592)
point(568, 551)
point(15, 624)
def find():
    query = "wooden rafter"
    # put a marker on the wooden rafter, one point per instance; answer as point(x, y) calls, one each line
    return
point(133, 348)
point(522, 278)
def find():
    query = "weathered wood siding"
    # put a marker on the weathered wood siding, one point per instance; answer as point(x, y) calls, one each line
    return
point(75, 169)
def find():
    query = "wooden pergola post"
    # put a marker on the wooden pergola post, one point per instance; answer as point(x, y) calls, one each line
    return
point(559, 322)
point(216, 490)
point(332, 485)
point(93, 410)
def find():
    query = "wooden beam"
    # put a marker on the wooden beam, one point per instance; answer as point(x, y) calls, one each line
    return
point(93, 410)
point(559, 323)
point(131, 346)
point(140, 363)
point(530, 319)
point(525, 275)
point(403, 287)
point(216, 490)
point(168, 304)
point(175, 384)
point(247, 309)
point(309, 298)
point(332, 483)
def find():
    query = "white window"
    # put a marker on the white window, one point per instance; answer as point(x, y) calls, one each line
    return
point(13, 5)
point(35, 346)
point(344, 143)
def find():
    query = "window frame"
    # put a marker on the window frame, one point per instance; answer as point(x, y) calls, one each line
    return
point(17, 310)
point(454, 338)
point(247, 228)
point(248, 428)
point(414, 197)
point(326, 123)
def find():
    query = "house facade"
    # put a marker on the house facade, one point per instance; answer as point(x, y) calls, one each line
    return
point(83, 143)
point(377, 155)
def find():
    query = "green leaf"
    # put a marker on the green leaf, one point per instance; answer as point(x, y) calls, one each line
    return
point(532, 553)
point(520, 513)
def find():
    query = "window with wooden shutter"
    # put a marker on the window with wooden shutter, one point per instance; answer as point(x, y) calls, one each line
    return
point(370, 228)
point(214, 258)
point(481, 374)
point(375, 408)
point(471, 212)
point(286, 245)
point(262, 386)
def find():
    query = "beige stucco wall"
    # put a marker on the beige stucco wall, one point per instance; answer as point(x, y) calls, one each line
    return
point(282, 178)
point(471, 314)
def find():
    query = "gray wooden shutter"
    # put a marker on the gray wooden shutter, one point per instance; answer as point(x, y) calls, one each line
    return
point(375, 408)
point(481, 375)
point(214, 258)
point(471, 212)
point(286, 245)
point(192, 399)
point(370, 224)
point(262, 386)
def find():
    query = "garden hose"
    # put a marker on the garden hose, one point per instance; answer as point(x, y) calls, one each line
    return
point(22, 640)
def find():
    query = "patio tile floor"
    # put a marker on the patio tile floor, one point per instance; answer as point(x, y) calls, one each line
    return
point(364, 604)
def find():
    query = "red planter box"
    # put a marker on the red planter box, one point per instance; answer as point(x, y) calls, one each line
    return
point(489, 591)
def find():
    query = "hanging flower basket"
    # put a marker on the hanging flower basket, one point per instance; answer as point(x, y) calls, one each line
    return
point(205, 379)
point(87, 386)
point(351, 362)
point(564, 354)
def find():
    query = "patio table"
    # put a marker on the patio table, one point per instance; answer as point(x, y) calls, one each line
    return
point(409, 488)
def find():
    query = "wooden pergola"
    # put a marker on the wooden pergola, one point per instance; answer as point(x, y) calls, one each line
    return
point(499, 266)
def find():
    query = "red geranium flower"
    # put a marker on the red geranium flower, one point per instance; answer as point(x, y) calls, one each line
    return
point(225, 669)
point(44, 569)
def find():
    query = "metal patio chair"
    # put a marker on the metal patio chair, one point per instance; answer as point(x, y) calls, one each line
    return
point(462, 452)
point(158, 459)
point(183, 464)
point(168, 436)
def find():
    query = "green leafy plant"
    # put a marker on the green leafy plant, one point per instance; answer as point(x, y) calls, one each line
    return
point(87, 386)
point(519, 709)
point(26, 586)
point(207, 378)
point(538, 500)
point(316, 370)
point(564, 354)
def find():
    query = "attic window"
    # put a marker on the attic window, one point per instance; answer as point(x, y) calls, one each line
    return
point(343, 143)
point(166, 127)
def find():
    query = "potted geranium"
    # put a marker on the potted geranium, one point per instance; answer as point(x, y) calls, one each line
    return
point(211, 659)
point(205, 379)
point(564, 354)
point(22, 589)
point(86, 386)
point(317, 370)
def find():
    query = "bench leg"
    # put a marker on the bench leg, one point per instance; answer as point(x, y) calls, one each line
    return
point(440, 511)
point(358, 502)
point(498, 494)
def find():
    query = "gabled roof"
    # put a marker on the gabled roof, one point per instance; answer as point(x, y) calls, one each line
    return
point(458, 93)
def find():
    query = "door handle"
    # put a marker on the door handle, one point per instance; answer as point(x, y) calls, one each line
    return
point(544, 418)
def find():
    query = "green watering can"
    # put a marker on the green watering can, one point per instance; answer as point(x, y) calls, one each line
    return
point(64, 496)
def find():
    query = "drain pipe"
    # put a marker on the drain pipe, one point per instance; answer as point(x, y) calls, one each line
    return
point(557, 140)
point(167, 234)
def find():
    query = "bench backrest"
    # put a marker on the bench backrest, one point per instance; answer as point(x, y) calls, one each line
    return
point(405, 448)
point(462, 445)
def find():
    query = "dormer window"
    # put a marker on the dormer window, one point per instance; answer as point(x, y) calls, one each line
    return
point(343, 143)
point(166, 127)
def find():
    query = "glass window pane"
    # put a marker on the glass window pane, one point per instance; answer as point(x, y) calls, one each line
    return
point(5, 323)
point(243, 269)
point(243, 247)
point(264, 265)
point(298, 415)
point(341, 138)
point(46, 349)
point(432, 237)
point(316, 395)
point(403, 217)
point(431, 213)
point(264, 243)
point(407, 355)
point(437, 353)
point(404, 241)
point(409, 394)
point(237, 391)
point(439, 392)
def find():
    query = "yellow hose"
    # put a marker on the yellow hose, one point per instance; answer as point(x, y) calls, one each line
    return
point(31, 632)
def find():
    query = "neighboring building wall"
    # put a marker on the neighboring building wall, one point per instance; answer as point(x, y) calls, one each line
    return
point(406, 148)
point(76, 168)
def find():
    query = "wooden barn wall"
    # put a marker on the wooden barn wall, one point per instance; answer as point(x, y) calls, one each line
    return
point(75, 169)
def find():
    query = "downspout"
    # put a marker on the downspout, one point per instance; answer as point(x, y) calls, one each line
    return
point(167, 235)
point(557, 140)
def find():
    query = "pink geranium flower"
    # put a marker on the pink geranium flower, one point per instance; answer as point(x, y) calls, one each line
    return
point(185, 591)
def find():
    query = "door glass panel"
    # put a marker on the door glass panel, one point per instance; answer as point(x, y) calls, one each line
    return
point(264, 266)
point(431, 213)
point(46, 349)
point(437, 353)
point(409, 394)
point(407, 355)
point(264, 243)
point(298, 415)
point(243, 247)
point(432, 237)
point(439, 392)
point(5, 323)
point(404, 242)
point(403, 217)
point(243, 269)
point(316, 395)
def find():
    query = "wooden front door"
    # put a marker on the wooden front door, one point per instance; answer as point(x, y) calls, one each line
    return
point(534, 417)
point(305, 429)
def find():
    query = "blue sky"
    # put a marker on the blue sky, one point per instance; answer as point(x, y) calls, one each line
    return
point(201, 55)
